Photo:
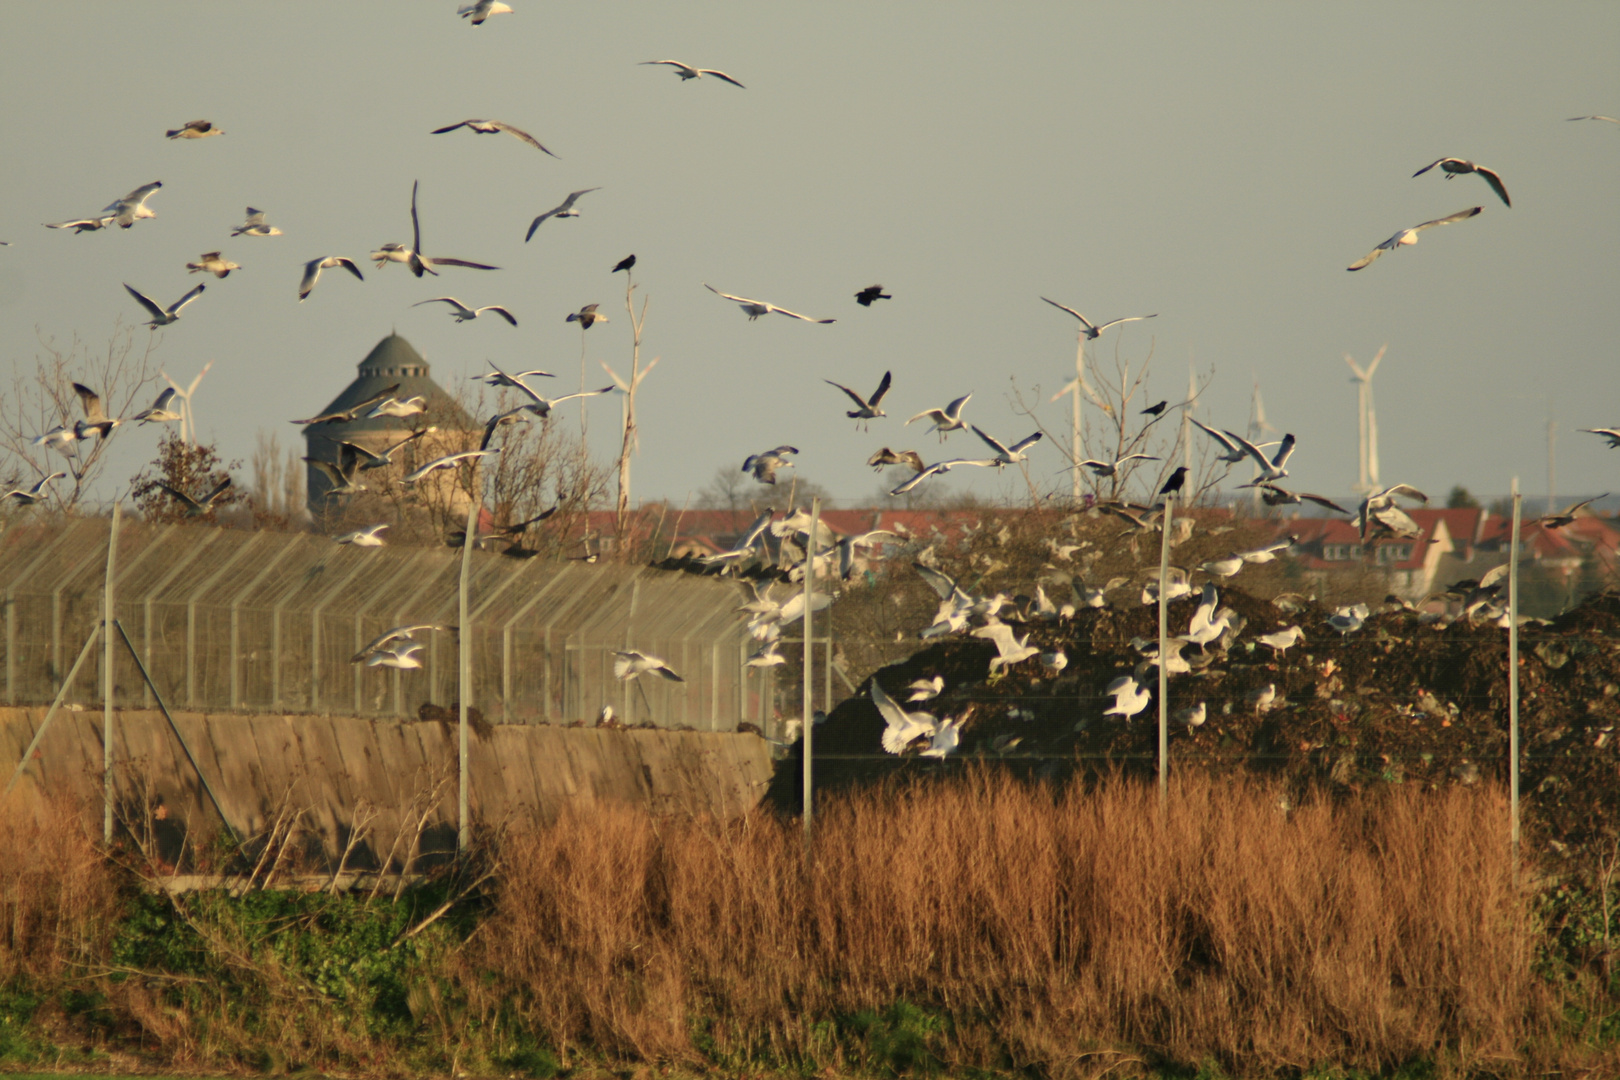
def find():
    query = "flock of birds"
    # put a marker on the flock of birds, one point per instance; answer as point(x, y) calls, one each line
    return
point(1213, 629)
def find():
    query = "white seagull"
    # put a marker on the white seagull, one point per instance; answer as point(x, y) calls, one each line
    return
point(132, 207)
point(687, 71)
point(313, 268)
point(1129, 697)
point(497, 378)
point(1009, 649)
point(1410, 236)
point(342, 475)
point(564, 209)
point(764, 464)
point(462, 313)
point(865, 408)
point(1272, 468)
point(449, 461)
point(921, 689)
point(199, 506)
point(940, 468)
point(401, 655)
point(630, 664)
point(370, 459)
point(212, 262)
point(413, 257)
point(901, 728)
point(947, 419)
point(1007, 455)
point(1454, 167)
point(1605, 119)
point(255, 225)
point(30, 496)
point(399, 409)
point(1609, 433)
point(756, 308)
point(493, 127)
point(1093, 330)
point(401, 634)
point(1109, 468)
point(80, 225)
point(164, 316)
point(1379, 508)
point(366, 537)
point(194, 129)
point(482, 10)
point(1281, 641)
point(94, 419)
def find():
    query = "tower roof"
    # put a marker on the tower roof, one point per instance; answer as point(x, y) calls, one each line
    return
point(392, 360)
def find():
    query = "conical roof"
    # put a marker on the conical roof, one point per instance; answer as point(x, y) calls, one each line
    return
point(392, 360)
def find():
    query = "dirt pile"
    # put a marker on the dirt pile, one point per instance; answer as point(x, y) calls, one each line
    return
point(1401, 700)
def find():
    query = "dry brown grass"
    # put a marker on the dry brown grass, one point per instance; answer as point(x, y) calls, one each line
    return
point(58, 895)
point(1069, 932)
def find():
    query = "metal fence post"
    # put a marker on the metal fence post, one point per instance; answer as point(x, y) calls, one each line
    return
point(107, 683)
point(807, 722)
point(1164, 678)
point(464, 831)
point(1513, 678)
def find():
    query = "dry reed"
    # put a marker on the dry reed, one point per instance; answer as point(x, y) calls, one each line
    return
point(59, 897)
point(1066, 932)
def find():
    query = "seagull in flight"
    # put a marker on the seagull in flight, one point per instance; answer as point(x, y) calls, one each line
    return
point(371, 459)
point(399, 409)
point(631, 663)
point(313, 268)
point(586, 316)
point(871, 293)
point(366, 537)
point(1410, 236)
point(342, 475)
point(939, 469)
point(494, 127)
point(449, 461)
point(30, 496)
point(566, 209)
point(412, 256)
point(159, 413)
point(900, 728)
point(94, 419)
point(1454, 167)
point(1273, 468)
point(164, 316)
point(211, 262)
point(343, 416)
point(1007, 455)
point(1092, 330)
point(1232, 450)
point(481, 10)
point(1567, 515)
point(536, 406)
point(1273, 495)
point(764, 465)
point(756, 308)
point(194, 129)
point(199, 506)
point(909, 458)
point(462, 313)
point(1110, 468)
point(1129, 697)
point(687, 71)
point(255, 225)
point(865, 408)
point(947, 419)
point(83, 225)
point(132, 207)
point(1605, 119)
point(497, 378)
point(1612, 434)
point(401, 634)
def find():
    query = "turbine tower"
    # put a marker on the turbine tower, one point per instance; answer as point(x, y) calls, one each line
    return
point(188, 425)
point(1366, 423)
point(1258, 430)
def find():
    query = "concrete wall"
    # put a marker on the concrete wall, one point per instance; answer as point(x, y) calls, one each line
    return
point(339, 770)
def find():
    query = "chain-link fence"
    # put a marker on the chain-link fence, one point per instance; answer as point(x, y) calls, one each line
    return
point(267, 622)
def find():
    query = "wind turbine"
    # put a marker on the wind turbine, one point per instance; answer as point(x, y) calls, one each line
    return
point(1258, 430)
point(1366, 423)
point(188, 426)
point(1186, 428)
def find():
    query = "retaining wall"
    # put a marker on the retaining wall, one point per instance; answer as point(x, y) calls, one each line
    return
point(340, 770)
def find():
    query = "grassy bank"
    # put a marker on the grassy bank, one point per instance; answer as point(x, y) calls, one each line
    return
point(979, 926)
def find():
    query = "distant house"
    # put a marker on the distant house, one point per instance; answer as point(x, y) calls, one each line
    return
point(392, 360)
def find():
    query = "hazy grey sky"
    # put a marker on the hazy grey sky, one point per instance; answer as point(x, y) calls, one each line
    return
point(1220, 164)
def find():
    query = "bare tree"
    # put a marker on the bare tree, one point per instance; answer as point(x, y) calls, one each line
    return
point(44, 398)
point(631, 441)
point(278, 483)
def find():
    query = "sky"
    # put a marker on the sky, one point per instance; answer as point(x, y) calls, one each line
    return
point(1217, 164)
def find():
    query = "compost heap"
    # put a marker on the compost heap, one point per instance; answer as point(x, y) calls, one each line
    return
point(1404, 699)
